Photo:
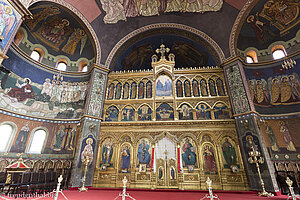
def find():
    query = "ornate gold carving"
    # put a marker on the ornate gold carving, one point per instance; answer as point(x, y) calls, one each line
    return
point(143, 177)
point(191, 177)
point(234, 179)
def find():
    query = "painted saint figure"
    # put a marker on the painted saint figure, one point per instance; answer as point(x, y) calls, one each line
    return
point(20, 144)
point(189, 155)
point(210, 165)
point(126, 91)
point(7, 20)
point(125, 159)
point(88, 153)
point(212, 88)
point(143, 152)
point(22, 92)
point(179, 89)
point(107, 152)
point(59, 138)
point(203, 88)
point(149, 90)
point(272, 138)
point(229, 154)
point(286, 136)
point(77, 36)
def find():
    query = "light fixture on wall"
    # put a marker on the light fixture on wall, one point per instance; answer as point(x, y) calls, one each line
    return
point(288, 63)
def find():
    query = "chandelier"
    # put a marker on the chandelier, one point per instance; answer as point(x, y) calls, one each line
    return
point(288, 63)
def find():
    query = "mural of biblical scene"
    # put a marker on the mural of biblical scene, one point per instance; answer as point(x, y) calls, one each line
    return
point(209, 160)
point(179, 90)
point(203, 87)
point(118, 91)
point(138, 55)
point(196, 88)
point(187, 88)
point(20, 143)
point(9, 19)
point(112, 114)
point(127, 114)
point(87, 152)
point(281, 90)
point(164, 86)
point(58, 31)
point(63, 140)
point(274, 90)
point(141, 92)
point(220, 87)
point(144, 153)
point(125, 159)
point(229, 154)
point(185, 112)
point(203, 111)
point(111, 91)
point(144, 113)
point(126, 91)
point(266, 23)
point(114, 12)
point(212, 87)
point(133, 90)
point(188, 153)
point(149, 89)
point(52, 97)
point(164, 112)
point(281, 135)
point(221, 111)
point(107, 154)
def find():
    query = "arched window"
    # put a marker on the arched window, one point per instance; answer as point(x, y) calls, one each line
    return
point(249, 59)
point(37, 141)
point(62, 66)
point(19, 37)
point(35, 55)
point(85, 68)
point(6, 133)
point(278, 52)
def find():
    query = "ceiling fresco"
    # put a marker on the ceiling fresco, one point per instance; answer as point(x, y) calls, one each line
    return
point(59, 31)
point(116, 10)
point(190, 50)
point(269, 21)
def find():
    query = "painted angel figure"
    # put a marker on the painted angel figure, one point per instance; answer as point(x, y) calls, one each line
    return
point(7, 20)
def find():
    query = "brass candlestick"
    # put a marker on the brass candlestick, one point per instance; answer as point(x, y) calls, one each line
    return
point(86, 163)
point(289, 182)
point(256, 158)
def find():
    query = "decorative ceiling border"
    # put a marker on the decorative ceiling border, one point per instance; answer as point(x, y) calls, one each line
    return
point(199, 33)
point(83, 19)
point(238, 25)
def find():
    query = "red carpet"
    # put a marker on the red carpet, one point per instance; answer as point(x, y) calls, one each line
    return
point(109, 194)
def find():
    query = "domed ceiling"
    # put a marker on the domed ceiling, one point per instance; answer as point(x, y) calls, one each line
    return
point(61, 33)
point(269, 21)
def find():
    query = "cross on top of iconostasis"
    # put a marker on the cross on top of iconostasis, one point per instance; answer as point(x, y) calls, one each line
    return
point(162, 50)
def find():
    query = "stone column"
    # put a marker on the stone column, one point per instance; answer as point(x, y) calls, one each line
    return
point(90, 123)
point(247, 126)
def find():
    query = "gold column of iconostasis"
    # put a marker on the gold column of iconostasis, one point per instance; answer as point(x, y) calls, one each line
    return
point(13, 14)
point(168, 128)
